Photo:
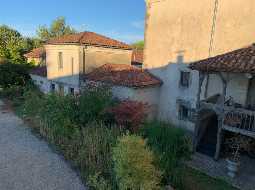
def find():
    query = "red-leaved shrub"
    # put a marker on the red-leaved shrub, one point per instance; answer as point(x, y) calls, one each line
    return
point(129, 114)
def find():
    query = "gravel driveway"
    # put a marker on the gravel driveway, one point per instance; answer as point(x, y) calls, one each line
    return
point(27, 163)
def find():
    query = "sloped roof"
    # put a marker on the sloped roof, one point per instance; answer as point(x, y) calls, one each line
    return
point(35, 53)
point(40, 71)
point(89, 38)
point(238, 61)
point(137, 56)
point(123, 75)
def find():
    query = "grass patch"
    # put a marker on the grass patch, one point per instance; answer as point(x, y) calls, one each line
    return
point(196, 180)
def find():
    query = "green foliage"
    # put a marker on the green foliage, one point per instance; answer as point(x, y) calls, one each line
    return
point(12, 44)
point(97, 182)
point(14, 75)
point(172, 148)
point(133, 165)
point(138, 45)
point(96, 149)
point(92, 104)
point(32, 103)
point(58, 28)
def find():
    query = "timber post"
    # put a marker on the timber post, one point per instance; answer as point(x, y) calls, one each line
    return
point(197, 124)
point(221, 118)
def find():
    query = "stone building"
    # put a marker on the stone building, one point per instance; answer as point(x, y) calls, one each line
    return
point(178, 33)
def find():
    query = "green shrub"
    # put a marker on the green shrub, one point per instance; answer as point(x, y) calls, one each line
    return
point(14, 75)
point(32, 103)
point(92, 104)
point(97, 182)
point(172, 148)
point(96, 150)
point(133, 165)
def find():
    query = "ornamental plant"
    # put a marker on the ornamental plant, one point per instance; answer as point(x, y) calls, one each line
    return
point(129, 114)
point(133, 165)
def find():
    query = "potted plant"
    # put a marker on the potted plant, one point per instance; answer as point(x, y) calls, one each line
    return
point(235, 144)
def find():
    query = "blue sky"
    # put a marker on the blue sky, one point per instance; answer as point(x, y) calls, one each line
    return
point(120, 19)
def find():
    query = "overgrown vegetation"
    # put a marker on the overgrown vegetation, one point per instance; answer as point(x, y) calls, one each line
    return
point(93, 138)
point(172, 148)
point(133, 164)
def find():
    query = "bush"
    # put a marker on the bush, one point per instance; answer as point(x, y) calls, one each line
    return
point(129, 114)
point(133, 165)
point(32, 103)
point(172, 148)
point(92, 104)
point(14, 75)
point(95, 154)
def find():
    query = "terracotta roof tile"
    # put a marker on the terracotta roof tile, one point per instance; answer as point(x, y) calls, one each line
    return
point(35, 53)
point(40, 71)
point(137, 57)
point(89, 38)
point(238, 61)
point(123, 75)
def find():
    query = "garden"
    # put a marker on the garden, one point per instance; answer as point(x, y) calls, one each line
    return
point(109, 142)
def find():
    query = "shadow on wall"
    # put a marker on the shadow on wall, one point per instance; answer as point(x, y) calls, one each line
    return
point(178, 94)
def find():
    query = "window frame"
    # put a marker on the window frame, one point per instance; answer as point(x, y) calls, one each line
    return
point(53, 87)
point(185, 78)
point(60, 60)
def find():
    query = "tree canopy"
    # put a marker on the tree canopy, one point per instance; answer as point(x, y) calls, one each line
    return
point(57, 28)
point(138, 45)
point(12, 44)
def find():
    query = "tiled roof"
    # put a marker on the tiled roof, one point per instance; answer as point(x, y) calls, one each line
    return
point(238, 61)
point(137, 57)
point(35, 53)
point(123, 75)
point(89, 38)
point(40, 71)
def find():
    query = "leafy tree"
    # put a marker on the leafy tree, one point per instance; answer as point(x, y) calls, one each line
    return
point(31, 43)
point(138, 45)
point(57, 28)
point(12, 44)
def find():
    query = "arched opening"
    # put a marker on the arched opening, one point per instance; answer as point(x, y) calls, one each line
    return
point(208, 129)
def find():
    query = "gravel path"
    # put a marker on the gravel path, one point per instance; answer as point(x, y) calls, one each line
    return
point(27, 163)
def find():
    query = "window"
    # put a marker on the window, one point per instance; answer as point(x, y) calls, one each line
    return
point(72, 62)
point(184, 112)
point(71, 91)
point(53, 87)
point(61, 90)
point(60, 60)
point(185, 79)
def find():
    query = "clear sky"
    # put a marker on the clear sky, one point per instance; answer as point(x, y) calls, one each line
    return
point(120, 19)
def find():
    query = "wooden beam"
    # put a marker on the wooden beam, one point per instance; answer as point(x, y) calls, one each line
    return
point(219, 138)
point(239, 131)
point(197, 124)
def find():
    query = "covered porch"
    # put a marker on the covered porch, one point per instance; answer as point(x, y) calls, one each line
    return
point(225, 98)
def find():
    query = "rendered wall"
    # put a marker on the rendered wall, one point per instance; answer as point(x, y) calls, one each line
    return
point(98, 56)
point(63, 75)
point(237, 87)
point(174, 26)
point(146, 95)
point(42, 83)
point(178, 33)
